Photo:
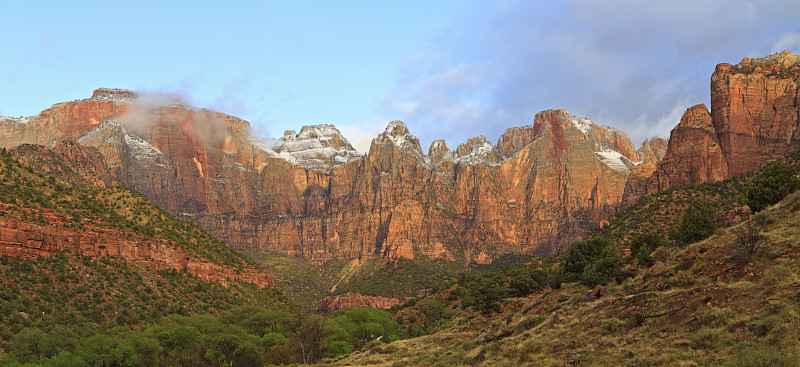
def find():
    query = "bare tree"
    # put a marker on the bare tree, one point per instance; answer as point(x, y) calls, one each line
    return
point(749, 237)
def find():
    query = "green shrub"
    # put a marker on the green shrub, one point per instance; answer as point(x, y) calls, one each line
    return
point(771, 185)
point(681, 279)
point(778, 274)
point(278, 355)
point(698, 222)
point(592, 261)
point(707, 338)
point(718, 317)
point(643, 245)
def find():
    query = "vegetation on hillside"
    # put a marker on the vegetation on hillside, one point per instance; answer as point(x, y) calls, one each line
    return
point(31, 196)
point(402, 278)
point(776, 180)
point(69, 309)
point(701, 303)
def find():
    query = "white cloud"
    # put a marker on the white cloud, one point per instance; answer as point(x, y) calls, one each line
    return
point(634, 65)
point(789, 41)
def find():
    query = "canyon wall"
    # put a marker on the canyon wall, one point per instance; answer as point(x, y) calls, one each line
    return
point(311, 195)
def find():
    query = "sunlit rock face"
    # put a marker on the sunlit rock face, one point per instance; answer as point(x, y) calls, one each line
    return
point(310, 194)
point(753, 120)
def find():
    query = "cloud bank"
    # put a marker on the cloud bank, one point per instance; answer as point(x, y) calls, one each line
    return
point(634, 65)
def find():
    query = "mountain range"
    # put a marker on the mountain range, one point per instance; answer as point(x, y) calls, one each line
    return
point(310, 194)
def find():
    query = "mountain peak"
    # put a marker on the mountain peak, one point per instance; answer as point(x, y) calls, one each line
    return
point(398, 133)
point(317, 147)
point(396, 128)
point(114, 94)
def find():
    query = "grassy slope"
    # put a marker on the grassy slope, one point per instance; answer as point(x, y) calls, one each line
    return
point(707, 307)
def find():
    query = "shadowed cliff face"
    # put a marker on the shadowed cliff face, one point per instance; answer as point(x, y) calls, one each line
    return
point(754, 119)
point(543, 187)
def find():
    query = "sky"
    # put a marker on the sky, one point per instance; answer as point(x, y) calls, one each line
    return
point(448, 69)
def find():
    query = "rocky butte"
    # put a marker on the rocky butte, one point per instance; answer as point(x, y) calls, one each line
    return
point(754, 119)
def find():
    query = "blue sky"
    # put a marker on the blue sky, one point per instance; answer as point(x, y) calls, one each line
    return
point(449, 69)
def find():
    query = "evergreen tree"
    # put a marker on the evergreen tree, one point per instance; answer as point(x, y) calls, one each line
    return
point(771, 185)
point(698, 222)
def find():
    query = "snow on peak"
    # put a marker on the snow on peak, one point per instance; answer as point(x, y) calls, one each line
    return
point(140, 148)
point(316, 147)
point(398, 133)
point(110, 132)
point(396, 128)
point(476, 151)
point(114, 94)
point(15, 120)
point(583, 124)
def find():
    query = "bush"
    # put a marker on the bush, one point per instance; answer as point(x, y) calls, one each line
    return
point(707, 339)
point(777, 275)
point(278, 355)
point(771, 185)
point(697, 223)
point(592, 261)
point(643, 245)
point(749, 237)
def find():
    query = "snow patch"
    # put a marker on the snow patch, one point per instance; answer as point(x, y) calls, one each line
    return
point(613, 160)
point(110, 132)
point(583, 124)
point(140, 148)
point(398, 133)
point(317, 147)
point(478, 155)
point(15, 120)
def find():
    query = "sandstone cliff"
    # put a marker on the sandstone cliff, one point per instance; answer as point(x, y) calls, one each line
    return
point(754, 120)
point(542, 187)
point(333, 303)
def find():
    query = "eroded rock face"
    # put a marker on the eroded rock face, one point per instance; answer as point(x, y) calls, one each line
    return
point(348, 300)
point(536, 192)
point(693, 156)
point(754, 107)
point(754, 120)
point(29, 240)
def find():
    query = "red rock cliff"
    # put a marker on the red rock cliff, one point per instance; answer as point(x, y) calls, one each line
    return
point(543, 187)
point(754, 119)
point(30, 240)
point(347, 300)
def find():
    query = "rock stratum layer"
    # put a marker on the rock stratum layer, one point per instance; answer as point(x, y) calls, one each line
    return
point(30, 240)
point(754, 119)
point(333, 303)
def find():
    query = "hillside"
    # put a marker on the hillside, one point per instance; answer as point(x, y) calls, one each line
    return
point(88, 259)
point(702, 304)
